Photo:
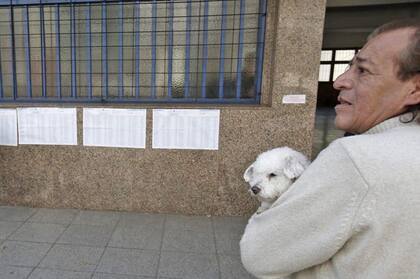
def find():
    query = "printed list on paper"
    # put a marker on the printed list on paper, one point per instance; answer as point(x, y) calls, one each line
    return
point(8, 127)
point(55, 126)
point(114, 127)
point(186, 129)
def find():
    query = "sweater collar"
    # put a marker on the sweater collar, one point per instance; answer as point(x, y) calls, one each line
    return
point(390, 124)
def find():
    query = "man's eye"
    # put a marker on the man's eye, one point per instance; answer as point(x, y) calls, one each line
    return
point(361, 70)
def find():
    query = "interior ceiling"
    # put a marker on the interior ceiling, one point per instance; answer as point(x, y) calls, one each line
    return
point(349, 22)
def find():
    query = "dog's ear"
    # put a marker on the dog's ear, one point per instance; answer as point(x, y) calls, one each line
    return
point(293, 168)
point(248, 173)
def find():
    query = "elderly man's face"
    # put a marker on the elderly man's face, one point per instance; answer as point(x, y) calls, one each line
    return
point(370, 91)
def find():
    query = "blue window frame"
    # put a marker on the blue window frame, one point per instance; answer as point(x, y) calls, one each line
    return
point(189, 51)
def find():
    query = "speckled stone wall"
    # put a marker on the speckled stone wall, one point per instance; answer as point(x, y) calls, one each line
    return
point(193, 182)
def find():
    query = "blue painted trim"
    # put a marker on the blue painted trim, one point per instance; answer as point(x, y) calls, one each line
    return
point(137, 15)
point(104, 51)
point(69, 100)
point(170, 47)
point(89, 30)
point(222, 50)
point(240, 50)
point(27, 42)
point(205, 50)
point(73, 51)
point(154, 23)
point(43, 56)
point(1, 79)
point(36, 2)
point(260, 48)
point(12, 37)
point(187, 52)
point(170, 59)
point(121, 53)
point(58, 49)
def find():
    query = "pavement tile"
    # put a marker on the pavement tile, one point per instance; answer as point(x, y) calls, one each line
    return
point(98, 218)
point(234, 225)
point(188, 265)
point(228, 243)
point(54, 216)
point(7, 228)
point(74, 258)
point(119, 276)
point(231, 268)
point(38, 232)
point(86, 235)
point(22, 253)
point(16, 213)
point(12, 272)
point(188, 241)
point(129, 262)
point(191, 223)
point(137, 237)
point(228, 232)
point(141, 220)
point(42, 273)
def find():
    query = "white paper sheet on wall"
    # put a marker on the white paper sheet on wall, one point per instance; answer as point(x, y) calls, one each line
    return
point(8, 127)
point(55, 126)
point(114, 127)
point(186, 129)
point(294, 99)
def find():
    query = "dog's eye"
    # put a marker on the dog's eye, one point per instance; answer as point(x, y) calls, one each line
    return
point(271, 175)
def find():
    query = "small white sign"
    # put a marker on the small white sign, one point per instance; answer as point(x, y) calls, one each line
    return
point(8, 127)
point(55, 126)
point(186, 129)
point(294, 99)
point(114, 127)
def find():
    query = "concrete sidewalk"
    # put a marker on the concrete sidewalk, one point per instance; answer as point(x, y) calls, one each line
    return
point(79, 244)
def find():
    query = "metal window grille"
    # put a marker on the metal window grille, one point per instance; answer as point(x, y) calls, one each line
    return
point(197, 51)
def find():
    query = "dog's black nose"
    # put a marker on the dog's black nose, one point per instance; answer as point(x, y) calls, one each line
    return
point(255, 190)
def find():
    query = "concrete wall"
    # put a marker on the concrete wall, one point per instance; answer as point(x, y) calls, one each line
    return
point(184, 181)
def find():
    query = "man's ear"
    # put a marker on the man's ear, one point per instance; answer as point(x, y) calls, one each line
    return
point(414, 97)
point(248, 173)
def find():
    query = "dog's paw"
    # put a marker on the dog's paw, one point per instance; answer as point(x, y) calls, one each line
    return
point(260, 210)
point(264, 206)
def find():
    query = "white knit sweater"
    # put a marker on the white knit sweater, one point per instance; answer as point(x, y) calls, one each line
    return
point(354, 213)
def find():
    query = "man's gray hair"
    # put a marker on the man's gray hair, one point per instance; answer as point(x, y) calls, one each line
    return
point(409, 59)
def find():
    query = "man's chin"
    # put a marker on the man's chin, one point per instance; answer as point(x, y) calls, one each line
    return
point(341, 123)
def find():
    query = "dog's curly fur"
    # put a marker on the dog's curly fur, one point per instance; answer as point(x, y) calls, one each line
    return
point(272, 174)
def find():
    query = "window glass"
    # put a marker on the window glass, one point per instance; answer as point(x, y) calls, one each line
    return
point(339, 69)
point(326, 55)
point(324, 72)
point(344, 55)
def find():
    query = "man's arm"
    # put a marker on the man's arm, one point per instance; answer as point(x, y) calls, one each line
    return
point(310, 222)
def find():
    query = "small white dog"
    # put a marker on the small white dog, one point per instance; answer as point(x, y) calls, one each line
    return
point(272, 173)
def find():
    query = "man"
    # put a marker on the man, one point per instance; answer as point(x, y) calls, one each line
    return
point(355, 212)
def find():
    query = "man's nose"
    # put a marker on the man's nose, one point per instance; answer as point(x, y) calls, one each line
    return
point(343, 81)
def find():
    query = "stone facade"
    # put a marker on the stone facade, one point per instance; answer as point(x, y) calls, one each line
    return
point(195, 182)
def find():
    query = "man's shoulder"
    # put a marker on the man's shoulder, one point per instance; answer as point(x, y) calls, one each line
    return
point(394, 142)
point(395, 136)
